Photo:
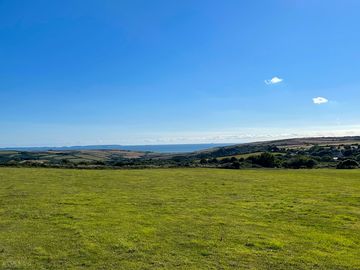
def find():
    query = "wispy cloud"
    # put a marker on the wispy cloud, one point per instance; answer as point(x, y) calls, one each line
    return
point(320, 100)
point(254, 134)
point(274, 80)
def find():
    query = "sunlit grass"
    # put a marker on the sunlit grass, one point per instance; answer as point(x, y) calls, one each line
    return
point(179, 219)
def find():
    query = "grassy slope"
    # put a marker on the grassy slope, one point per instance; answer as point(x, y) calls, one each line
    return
point(74, 156)
point(179, 219)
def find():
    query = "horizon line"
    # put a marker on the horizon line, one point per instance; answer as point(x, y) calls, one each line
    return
point(173, 144)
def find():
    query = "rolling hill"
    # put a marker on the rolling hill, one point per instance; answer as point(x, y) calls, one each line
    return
point(330, 147)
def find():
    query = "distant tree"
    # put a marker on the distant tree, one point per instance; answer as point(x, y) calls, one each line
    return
point(203, 161)
point(232, 165)
point(99, 162)
point(326, 158)
point(265, 160)
point(235, 165)
point(225, 160)
point(119, 163)
point(347, 164)
point(300, 162)
point(347, 152)
point(273, 148)
point(64, 161)
point(233, 159)
point(310, 163)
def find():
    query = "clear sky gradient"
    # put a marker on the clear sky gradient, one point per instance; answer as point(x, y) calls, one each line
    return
point(151, 72)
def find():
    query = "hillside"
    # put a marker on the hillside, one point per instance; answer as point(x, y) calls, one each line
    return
point(323, 152)
point(284, 143)
point(63, 157)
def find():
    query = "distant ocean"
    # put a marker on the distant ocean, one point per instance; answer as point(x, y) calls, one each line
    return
point(162, 148)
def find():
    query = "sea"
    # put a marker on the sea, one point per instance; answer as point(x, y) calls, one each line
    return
point(160, 148)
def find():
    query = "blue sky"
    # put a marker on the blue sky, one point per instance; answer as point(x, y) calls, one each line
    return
point(152, 72)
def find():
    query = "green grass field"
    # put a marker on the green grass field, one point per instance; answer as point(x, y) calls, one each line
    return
point(179, 219)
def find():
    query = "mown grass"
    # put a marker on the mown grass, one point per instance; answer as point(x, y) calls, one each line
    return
point(179, 219)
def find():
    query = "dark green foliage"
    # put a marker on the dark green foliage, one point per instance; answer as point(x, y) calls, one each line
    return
point(264, 154)
point(266, 160)
point(326, 158)
point(347, 152)
point(273, 148)
point(203, 161)
point(233, 165)
point(236, 164)
point(64, 161)
point(300, 162)
point(225, 160)
point(213, 161)
point(347, 164)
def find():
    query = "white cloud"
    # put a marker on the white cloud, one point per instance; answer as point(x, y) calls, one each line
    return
point(320, 100)
point(249, 135)
point(274, 80)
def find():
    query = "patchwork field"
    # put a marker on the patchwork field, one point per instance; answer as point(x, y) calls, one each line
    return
point(179, 219)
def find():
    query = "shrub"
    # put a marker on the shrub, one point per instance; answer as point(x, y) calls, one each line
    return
point(264, 160)
point(225, 160)
point(233, 165)
point(347, 164)
point(214, 160)
point(326, 158)
point(203, 161)
point(300, 162)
